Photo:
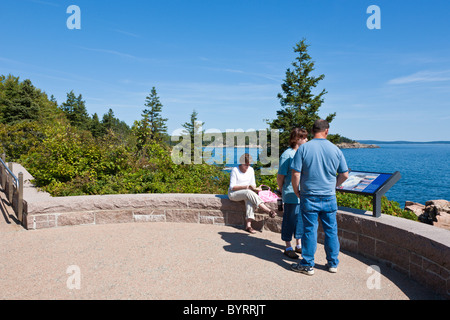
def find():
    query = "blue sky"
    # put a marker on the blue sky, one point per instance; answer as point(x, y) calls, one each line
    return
point(227, 59)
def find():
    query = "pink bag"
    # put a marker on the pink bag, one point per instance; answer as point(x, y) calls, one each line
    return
point(267, 195)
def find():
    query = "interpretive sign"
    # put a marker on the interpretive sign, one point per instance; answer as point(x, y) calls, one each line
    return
point(370, 183)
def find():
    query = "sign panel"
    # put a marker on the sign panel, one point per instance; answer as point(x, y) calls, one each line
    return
point(374, 184)
point(364, 182)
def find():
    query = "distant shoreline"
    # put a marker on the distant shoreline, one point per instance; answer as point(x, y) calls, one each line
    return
point(401, 142)
point(357, 144)
point(252, 146)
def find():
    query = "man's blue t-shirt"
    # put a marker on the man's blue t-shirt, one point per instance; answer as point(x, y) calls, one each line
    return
point(318, 161)
point(285, 169)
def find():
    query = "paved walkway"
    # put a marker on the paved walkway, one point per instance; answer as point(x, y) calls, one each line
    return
point(172, 261)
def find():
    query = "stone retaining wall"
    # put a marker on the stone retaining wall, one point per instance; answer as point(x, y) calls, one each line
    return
point(420, 251)
point(189, 208)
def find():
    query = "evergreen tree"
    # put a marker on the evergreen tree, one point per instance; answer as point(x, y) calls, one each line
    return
point(152, 126)
point(299, 104)
point(152, 117)
point(110, 122)
point(193, 129)
point(75, 111)
point(96, 127)
point(19, 100)
point(24, 111)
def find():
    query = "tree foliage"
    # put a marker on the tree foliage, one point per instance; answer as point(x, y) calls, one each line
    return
point(152, 126)
point(300, 105)
point(75, 110)
point(193, 129)
point(194, 126)
point(21, 101)
point(70, 153)
point(109, 123)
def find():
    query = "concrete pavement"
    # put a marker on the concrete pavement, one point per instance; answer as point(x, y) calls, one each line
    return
point(177, 261)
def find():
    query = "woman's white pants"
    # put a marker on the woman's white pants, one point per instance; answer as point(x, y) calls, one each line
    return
point(252, 201)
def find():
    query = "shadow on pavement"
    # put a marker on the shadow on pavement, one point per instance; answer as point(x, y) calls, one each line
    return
point(261, 248)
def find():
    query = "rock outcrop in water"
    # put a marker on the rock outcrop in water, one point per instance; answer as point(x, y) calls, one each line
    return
point(356, 145)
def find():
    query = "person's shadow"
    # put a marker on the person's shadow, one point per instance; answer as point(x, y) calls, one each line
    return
point(240, 242)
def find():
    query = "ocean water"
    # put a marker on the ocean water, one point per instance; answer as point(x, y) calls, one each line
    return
point(228, 156)
point(424, 168)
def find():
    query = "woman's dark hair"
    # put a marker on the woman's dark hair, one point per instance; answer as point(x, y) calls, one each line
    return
point(297, 133)
point(245, 159)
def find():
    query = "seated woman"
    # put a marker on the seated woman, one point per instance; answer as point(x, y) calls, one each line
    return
point(243, 188)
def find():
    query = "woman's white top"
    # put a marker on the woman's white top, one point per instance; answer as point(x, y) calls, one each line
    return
point(238, 178)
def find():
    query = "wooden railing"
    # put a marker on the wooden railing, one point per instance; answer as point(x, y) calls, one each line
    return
point(12, 187)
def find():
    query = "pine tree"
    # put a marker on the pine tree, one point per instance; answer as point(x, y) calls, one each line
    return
point(75, 111)
point(19, 100)
point(110, 122)
point(96, 127)
point(299, 104)
point(193, 128)
point(152, 116)
point(152, 126)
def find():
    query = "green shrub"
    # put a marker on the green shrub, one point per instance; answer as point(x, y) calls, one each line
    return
point(362, 202)
point(70, 161)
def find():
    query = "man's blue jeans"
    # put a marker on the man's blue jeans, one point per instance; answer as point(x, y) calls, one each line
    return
point(292, 223)
point(324, 208)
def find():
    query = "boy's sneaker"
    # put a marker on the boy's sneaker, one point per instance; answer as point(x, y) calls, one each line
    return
point(291, 254)
point(302, 269)
point(331, 269)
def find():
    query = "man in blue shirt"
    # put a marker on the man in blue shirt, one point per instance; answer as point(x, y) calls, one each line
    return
point(318, 161)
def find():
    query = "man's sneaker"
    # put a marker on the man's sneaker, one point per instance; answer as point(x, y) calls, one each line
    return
point(331, 269)
point(302, 269)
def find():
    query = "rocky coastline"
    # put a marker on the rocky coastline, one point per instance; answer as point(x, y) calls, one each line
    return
point(434, 212)
point(356, 145)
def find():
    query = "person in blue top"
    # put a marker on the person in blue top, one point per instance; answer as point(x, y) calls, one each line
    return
point(292, 223)
point(323, 167)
